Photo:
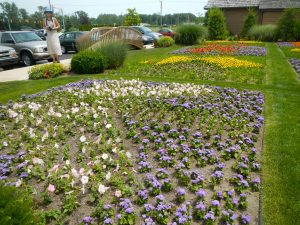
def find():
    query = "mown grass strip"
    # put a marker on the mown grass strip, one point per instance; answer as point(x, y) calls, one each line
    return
point(281, 156)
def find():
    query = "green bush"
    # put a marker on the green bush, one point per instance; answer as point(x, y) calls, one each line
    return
point(263, 32)
point(216, 24)
point(287, 26)
point(190, 34)
point(115, 53)
point(249, 22)
point(16, 207)
point(165, 41)
point(45, 71)
point(88, 62)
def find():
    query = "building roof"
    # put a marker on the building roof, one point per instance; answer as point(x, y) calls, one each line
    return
point(262, 4)
point(231, 3)
point(279, 4)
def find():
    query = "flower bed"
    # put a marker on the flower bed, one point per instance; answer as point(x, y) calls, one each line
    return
point(296, 64)
point(128, 152)
point(205, 68)
point(228, 49)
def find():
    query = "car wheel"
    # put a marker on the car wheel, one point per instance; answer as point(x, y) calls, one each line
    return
point(27, 59)
point(50, 60)
point(64, 50)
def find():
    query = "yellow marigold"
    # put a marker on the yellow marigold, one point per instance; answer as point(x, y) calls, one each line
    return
point(174, 59)
point(227, 62)
point(295, 50)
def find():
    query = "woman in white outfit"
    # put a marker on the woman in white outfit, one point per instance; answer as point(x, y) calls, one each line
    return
point(52, 25)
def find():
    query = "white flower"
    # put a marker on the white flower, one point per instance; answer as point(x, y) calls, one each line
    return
point(108, 175)
point(18, 183)
point(67, 162)
point(102, 189)
point(104, 156)
point(37, 161)
point(58, 115)
point(82, 138)
point(128, 154)
point(75, 173)
point(108, 126)
point(114, 150)
point(118, 193)
point(5, 144)
point(84, 179)
point(83, 150)
point(95, 115)
point(81, 171)
point(56, 145)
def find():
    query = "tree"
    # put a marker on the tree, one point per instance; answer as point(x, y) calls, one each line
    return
point(10, 11)
point(287, 25)
point(83, 18)
point(249, 22)
point(132, 18)
point(216, 24)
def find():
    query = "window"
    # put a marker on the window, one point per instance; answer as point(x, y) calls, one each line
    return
point(69, 37)
point(26, 37)
point(6, 38)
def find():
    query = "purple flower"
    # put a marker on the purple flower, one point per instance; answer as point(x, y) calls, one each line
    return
point(245, 219)
point(180, 192)
point(200, 206)
point(215, 203)
point(209, 216)
point(87, 219)
point(201, 193)
point(160, 198)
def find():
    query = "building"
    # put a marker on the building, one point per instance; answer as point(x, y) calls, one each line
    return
point(268, 11)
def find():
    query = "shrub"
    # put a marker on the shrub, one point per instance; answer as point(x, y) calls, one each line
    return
point(287, 24)
point(249, 22)
point(46, 71)
point(165, 41)
point(190, 34)
point(263, 32)
point(216, 24)
point(16, 207)
point(88, 62)
point(115, 53)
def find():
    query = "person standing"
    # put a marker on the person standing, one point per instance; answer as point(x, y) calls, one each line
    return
point(51, 25)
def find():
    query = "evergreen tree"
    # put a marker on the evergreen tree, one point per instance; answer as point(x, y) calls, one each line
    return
point(249, 22)
point(132, 18)
point(286, 30)
point(216, 24)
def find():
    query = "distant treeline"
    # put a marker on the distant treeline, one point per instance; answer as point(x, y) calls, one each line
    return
point(16, 18)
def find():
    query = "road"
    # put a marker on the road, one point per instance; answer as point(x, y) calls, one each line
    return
point(64, 56)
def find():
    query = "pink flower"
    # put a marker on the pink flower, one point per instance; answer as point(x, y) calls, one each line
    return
point(51, 188)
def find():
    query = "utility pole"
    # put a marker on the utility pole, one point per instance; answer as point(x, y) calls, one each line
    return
point(161, 8)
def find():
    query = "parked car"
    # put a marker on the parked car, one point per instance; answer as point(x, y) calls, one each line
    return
point(28, 45)
point(41, 33)
point(147, 31)
point(68, 41)
point(147, 40)
point(8, 57)
point(167, 32)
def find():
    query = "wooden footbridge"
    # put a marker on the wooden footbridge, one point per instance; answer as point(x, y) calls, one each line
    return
point(104, 35)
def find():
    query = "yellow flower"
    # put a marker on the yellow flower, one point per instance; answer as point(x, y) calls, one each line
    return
point(295, 50)
point(229, 62)
point(174, 60)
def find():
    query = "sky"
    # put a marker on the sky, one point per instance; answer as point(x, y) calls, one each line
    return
point(96, 7)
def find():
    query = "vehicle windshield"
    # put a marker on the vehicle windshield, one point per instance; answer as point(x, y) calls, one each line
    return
point(26, 37)
point(145, 29)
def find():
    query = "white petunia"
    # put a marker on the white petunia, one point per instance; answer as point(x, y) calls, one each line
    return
point(68, 162)
point(128, 154)
point(82, 138)
point(84, 179)
point(108, 175)
point(18, 183)
point(74, 173)
point(104, 156)
point(37, 161)
point(5, 144)
point(56, 145)
point(118, 193)
point(108, 126)
point(102, 189)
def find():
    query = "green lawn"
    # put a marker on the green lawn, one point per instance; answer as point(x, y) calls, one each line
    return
point(281, 154)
